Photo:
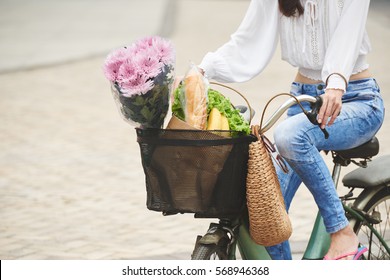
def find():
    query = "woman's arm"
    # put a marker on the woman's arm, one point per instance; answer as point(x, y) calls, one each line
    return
point(341, 56)
point(345, 44)
point(250, 48)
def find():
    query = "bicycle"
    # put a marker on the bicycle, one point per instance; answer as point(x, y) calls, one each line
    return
point(369, 212)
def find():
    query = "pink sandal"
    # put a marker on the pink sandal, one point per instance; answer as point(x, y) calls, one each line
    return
point(356, 254)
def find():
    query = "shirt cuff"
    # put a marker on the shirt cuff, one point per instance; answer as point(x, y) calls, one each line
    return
point(207, 66)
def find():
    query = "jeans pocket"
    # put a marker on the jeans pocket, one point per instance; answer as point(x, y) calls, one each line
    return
point(365, 89)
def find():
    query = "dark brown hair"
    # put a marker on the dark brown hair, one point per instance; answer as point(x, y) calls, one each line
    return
point(291, 8)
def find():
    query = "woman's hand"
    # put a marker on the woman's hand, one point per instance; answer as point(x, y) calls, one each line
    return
point(331, 107)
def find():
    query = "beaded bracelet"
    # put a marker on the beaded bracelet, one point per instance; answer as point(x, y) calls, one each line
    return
point(345, 80)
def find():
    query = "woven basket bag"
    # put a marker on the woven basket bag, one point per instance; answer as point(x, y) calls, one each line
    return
point(269, 223)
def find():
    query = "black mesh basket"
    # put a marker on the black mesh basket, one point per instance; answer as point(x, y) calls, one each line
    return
point(194, 171)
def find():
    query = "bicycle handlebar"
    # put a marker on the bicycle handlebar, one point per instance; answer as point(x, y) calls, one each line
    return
point(316, 103)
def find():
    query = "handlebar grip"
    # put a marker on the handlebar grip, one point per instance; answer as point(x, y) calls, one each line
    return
point(317, 105)
point(312, 115)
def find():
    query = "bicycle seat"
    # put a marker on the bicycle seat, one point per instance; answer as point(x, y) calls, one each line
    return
point(375, 174)
point(366, 150)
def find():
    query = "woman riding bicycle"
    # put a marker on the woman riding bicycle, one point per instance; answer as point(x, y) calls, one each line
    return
point(327, 42)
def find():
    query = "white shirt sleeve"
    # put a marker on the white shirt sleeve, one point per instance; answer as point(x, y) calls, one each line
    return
point(345, 43)
point(249, 49)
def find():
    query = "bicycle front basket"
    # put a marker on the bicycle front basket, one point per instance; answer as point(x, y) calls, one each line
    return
point(194, 171)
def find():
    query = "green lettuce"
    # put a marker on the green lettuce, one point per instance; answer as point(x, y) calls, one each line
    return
point(178, 101)
point(223, 104)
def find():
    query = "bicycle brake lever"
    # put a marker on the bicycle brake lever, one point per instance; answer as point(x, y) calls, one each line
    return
point(312, 115)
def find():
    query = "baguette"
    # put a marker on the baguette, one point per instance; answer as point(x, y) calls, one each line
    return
point(196, 101)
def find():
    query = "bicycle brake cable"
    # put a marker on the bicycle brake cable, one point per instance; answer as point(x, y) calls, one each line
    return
point(311, 115)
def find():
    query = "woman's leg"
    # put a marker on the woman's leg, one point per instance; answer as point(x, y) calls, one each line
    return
point(298, 134)
point(299, 142)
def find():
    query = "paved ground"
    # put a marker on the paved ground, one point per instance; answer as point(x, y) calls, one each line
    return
point(71, 182)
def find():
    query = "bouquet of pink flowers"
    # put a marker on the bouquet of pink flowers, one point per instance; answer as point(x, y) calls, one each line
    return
point(141, 76)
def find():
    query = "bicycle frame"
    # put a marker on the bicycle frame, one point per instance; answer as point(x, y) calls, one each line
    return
point(360, 218)
point(316, 249)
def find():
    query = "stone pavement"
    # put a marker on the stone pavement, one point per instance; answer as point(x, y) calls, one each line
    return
point(71, 181)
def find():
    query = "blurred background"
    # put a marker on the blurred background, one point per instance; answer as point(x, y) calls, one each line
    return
point(71, 180)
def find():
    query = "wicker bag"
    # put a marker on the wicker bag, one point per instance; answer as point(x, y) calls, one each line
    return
point(269, 223)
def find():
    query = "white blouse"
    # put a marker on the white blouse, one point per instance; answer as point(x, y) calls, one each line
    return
point(330, 37)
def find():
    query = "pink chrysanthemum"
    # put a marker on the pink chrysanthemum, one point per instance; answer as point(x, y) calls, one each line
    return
point(139, 63)
point(128, 70)
point(144, 43)
point(148, 63)
point(139, 85)
point(113, 63)
point(164, 50)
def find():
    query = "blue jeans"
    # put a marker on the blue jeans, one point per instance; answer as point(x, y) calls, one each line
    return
point(299, 142)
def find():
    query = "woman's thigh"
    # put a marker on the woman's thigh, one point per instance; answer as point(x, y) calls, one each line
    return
point(357, 123)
